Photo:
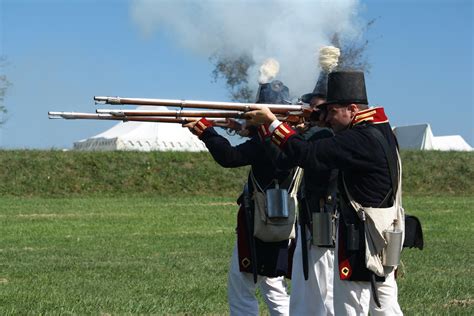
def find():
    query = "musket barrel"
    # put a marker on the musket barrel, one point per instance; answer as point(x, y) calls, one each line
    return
point(180, 120)
point(78, 115)
point(171, 113)
point(245, 107)
point(105, 116)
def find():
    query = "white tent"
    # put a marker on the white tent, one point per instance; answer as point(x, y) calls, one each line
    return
point(453, 142)
point(414, 136)
point(421, 137)
point(143, 136)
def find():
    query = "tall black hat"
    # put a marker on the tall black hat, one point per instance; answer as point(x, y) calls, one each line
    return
point(346, 87)
point(274, 92)
point(320, 90)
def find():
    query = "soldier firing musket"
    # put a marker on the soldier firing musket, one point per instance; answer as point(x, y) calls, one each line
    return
point(263, 250)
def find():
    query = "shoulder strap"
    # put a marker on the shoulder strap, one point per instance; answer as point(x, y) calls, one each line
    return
point(296, 181)
point(256, 185)
point(295, 177)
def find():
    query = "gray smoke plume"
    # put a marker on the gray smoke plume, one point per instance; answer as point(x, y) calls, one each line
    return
point(292, 32)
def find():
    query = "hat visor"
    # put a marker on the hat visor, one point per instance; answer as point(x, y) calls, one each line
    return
point(306, 98)
point(325, 104)
point(342, 102)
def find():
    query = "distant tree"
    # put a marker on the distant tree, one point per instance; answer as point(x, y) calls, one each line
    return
point(4, 84)
point(353, 51)
point(235, 69)
point(235, 72)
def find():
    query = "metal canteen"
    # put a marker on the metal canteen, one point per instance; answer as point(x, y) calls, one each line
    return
point(277, 203)
point(391, 253)
point(322, 229)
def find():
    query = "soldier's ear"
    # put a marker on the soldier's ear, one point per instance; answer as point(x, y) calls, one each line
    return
point(353, 109)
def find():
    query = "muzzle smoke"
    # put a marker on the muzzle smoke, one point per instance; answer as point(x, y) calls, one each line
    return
point(291, 32)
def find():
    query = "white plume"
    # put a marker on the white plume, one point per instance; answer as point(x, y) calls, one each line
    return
point(328, 58)
point(268, 70)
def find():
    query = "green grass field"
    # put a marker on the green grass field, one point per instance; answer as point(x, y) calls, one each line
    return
point(164, 255)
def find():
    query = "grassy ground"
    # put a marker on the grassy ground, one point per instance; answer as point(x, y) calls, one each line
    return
point(439, 279)
point(114, 255)
point(170, 256)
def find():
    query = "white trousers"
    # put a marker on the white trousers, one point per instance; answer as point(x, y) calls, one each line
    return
point(355, 297)
point(241, 292)
point(315, 295)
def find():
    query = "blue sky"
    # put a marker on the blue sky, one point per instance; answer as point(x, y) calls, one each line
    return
point(62, 53)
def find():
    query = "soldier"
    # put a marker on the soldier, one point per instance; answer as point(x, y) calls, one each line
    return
point(366, 154)
point(313, 261)
point(273, 259)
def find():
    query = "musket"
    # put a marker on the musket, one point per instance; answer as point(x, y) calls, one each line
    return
point(292, 118)
point(284, 109)
point(173, 113)
point(221, 122)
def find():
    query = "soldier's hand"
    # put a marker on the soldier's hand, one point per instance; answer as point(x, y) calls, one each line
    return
point(198, 127)
point(302, 127)
point(260, 116)
point(190, 125)
point(244, 132)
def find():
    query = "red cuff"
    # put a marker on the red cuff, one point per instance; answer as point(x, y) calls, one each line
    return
point(281, 134)
point(201, 126)
point(264, 131)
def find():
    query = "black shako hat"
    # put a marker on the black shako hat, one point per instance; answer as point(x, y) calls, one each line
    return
point(320, 89)
point(274, 92)
point(345, 87)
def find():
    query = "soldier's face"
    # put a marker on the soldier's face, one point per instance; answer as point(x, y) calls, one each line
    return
point(339, 117)
point(314, 103)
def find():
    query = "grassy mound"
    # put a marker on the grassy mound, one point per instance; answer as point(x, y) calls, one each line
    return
point(58, 173)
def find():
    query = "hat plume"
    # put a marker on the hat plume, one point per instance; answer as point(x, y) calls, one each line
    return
point(268, 70)
point(328, 58)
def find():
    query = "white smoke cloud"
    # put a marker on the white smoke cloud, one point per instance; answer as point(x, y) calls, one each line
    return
point(292, 32)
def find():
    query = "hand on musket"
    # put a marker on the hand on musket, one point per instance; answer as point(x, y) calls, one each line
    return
point(190, 126)
point(233, 127)
point(302, 127)
point(260, 116)
point(228, 123)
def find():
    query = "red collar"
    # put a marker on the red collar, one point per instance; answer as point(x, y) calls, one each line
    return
point(372, 115)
